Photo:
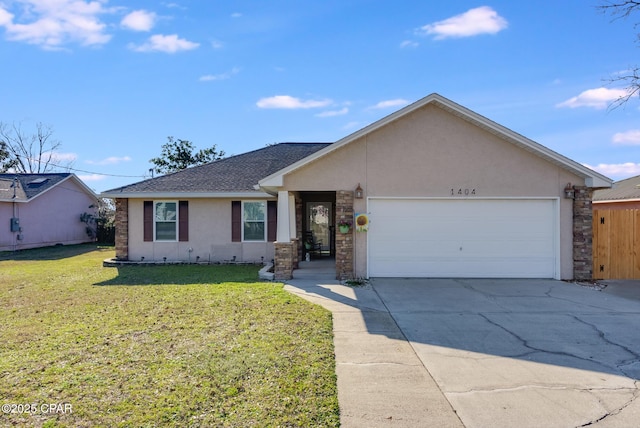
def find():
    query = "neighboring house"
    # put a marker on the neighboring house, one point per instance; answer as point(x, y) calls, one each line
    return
point(616, 230)
point(624, 195)
point(38, 210)
point(448, 193)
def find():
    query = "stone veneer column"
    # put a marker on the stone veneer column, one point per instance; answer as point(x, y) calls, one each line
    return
point(344, 241)
point(582, 233)
point(283, 269)
point(122, 229)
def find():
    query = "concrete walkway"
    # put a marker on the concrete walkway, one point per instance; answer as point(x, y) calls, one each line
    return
point(480, 353)
point(381, 380)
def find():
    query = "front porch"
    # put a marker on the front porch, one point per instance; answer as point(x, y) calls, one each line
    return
point(306, 228)
point(319, 269)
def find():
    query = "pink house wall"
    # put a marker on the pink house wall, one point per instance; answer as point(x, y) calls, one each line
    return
point(51, 218)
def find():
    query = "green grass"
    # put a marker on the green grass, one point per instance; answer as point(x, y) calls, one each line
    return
point(159, 346)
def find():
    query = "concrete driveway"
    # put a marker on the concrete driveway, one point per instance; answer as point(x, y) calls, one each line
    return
point(483, 353)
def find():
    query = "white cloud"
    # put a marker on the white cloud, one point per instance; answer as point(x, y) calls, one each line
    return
point(222, 76)
point(409, 44)
point(139, 20)
point(236, 15)
point(598, 98)
point(161, 43)
point(5, 17)
point(481, 20)
point(91, 177)
point(351, 125)
point(217, 44)
point(59, 157)
point(173, 6)
point(53, 23)
point(112, 160)
point(288, 102)
point(390, 103)
point(617, 170)
point(332, 113)
point(628, 138)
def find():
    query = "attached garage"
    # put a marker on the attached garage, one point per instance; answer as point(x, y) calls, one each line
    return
point(530, 215)
point(471, 238)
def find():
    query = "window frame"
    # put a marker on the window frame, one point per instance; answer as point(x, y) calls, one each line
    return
point(264, 221)
point(176, 221)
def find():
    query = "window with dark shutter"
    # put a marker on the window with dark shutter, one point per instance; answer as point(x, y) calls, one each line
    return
point(272, 220)
point(148, 221)
point(183, 221)
point(236, 221)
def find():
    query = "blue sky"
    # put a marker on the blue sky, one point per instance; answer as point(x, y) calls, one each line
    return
point(114, 79)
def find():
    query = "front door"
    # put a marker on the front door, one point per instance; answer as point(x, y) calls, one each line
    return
point(319, 221)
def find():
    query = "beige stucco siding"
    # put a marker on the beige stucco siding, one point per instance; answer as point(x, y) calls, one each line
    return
point(209, 236)
point(429, 152)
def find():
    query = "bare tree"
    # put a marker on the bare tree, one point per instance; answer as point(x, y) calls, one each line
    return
point(622, 9)
point(30, 152)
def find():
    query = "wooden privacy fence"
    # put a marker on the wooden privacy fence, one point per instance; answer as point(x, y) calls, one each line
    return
point(616, 244)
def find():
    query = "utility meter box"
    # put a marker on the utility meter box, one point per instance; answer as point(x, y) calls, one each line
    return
point(15, 224)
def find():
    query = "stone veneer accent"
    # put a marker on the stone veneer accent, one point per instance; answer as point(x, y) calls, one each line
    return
point(344, 241)
point(122, 229)
point(582, 233)
point(283, 269)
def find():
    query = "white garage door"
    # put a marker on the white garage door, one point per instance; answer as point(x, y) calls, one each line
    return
point(465, 238)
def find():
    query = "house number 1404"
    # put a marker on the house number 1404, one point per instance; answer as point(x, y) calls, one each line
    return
point(463, 192)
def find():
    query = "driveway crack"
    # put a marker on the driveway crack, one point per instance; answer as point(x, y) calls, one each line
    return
point(617, 411)
point(603, 336)
point(526, 344)
point(547, 387)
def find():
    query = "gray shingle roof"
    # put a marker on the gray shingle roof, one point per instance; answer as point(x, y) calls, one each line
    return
point(621, 190)
point(238, 173)
point(29, 185)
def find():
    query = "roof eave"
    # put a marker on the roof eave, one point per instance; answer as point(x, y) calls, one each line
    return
point(71, 176)
point(185, 195)
point(16, 200)
point(616, 201)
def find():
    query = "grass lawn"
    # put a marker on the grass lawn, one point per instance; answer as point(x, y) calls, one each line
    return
point(158, 346)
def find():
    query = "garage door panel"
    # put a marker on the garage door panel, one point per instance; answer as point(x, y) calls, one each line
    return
point(462, 238)
point(450, 267)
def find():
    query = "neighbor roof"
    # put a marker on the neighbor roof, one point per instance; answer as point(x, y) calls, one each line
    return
point(592, 178)
point(623, 190)
point(30, 186)
point(225, 177)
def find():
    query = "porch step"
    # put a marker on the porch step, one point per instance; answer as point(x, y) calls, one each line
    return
point(319, 268)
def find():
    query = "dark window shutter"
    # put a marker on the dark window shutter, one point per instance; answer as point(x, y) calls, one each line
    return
point(148, 221)
point(236, 221)
point(272, 220)
point(183, 218)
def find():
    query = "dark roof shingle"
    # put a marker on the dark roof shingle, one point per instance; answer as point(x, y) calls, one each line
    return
point(238, 173)
point(29, 185)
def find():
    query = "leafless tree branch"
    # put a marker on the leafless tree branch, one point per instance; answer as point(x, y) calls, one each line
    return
point(29, 152)
point(620, 9)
